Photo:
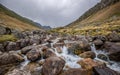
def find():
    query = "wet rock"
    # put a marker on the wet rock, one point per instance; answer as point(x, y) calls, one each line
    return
point(103, 70)
point(58, 45)
point(100, 37)
point(53, 66)
point(18, 45)
point(75, 49)
point(48, 53)
point(88, 63)
point(33, 68)
point(111, 47)
point(113, 51)
point(103, 57)
point(24, 42)
point(77, 72)
point(114, 37)
point(36, 72)
point(11, 46)
point(88, 54)
point(59, 50)
point(85, 45)
point(10, 58)
point(17, 33)
point(114, 56)
point(98, 42)
point(2, 48)
point(41, 62)
point(5, 68)
point(26, 49)
point(79, 47)
point(33, 55)
point(18, 72)
point(35, 41)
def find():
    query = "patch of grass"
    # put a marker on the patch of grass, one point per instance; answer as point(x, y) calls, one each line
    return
point(4, 38)
point(103, 29)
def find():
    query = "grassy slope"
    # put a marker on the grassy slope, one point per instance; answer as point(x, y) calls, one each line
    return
point(106, 13)
point(13, 20)
point(101, 23)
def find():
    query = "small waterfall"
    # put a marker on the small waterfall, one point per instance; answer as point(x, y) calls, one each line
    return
point(23, 64)
point(71, 60)
point(93, 48)
point(97, 52)
point(111, 64)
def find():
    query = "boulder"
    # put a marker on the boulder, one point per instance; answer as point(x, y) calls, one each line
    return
point(75, 49)
point(33, 55)
point(78, 71)
point(79, 47)
point(35, 41)
point(11, 46)
point(10, 58)
point(24, 43)
point(98, 42)
point(41, 62)
point(18, 44)
point(17, 33)
point(2, 30)
point(53, 66)
point(102, 57)
point(5, 68)
point(2, 48)
point(100, 37)
point(48, 53)
point(114, 56)
point(111, 47)
point(113, 50)
point(26, 49)
point(58, 45)
point(88, 54)
point(33, 68)
point(114, 37)
point(103, 70)
point(88, 63)
point(18, 72)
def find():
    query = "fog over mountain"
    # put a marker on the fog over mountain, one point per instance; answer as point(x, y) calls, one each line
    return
point(54, 13)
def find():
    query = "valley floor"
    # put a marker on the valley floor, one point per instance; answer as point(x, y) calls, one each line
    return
point(42, 53)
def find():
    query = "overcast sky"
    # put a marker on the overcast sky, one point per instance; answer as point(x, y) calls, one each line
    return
point(54, 13)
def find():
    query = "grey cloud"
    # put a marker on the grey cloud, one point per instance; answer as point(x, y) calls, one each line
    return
point(54, 13)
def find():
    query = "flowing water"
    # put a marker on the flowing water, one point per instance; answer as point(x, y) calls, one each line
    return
point(25, 63)
point(71, 60)
point(111, 64)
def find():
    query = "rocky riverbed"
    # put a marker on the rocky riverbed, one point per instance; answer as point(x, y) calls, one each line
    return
point(42, 53)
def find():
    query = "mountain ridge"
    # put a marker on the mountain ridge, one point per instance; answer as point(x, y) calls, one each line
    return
point(11, 19)
point(97, 22)
point(99, 6)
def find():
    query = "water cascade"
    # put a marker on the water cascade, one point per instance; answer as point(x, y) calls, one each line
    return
point(111, 64)
point(71, 60)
